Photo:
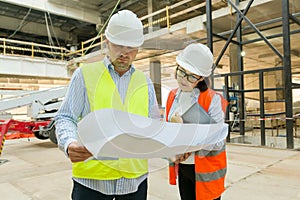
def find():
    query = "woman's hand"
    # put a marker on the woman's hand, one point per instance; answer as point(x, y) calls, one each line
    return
point(77, 152)
point(176, 118)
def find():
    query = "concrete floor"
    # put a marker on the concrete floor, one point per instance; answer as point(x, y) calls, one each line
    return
point(37, 170)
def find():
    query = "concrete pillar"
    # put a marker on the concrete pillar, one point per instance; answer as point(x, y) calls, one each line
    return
point(155, 75)
point(150, 19)
point(152, 6)
point(100, 24)
point(233, 59)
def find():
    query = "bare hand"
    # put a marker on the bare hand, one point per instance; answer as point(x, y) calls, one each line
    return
point(176, 118)
point(182, 157)
point(77, 152)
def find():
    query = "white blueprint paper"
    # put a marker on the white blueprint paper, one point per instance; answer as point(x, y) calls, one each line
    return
point(113, 133)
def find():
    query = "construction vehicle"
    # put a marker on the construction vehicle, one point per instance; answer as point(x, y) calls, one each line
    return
point(42, 107)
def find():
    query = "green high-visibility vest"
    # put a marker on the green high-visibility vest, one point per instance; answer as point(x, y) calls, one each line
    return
point(103, 93)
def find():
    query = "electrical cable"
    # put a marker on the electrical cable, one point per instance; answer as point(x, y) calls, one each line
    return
point(53, 29)
point(103, 25)
point(48, 31)
point(47, 27)
point(51, 43)
point(21, 25)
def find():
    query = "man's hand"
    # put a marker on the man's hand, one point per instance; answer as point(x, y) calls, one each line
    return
point(77, 152)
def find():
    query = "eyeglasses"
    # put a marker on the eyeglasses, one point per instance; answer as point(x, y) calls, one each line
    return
point(124, 48)
point(190, 77)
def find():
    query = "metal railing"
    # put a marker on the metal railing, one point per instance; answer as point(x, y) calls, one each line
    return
point(162, 18)
point(276, 116)
point(17, 47)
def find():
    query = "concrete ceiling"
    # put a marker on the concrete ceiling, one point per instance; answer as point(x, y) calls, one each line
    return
point(258, 54)
point(22, 23)
point(266, 17)
point(30, 24)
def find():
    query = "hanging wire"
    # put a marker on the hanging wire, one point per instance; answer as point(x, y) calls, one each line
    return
point(21, 25)
point(103, 25)
point(51, 24)
point(51, 43)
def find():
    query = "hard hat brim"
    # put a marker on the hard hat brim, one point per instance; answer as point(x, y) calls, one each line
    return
point(189, 67)
point(123, 40)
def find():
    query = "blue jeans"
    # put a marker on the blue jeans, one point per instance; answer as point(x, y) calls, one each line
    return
point(81, 192)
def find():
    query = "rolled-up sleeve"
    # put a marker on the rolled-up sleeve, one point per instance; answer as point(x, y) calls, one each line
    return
point(72, 109)
point(153, 105)
point(215, 109)
point(216, 112)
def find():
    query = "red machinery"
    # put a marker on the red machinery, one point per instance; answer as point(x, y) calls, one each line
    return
point(14, 129)
point(42, 107)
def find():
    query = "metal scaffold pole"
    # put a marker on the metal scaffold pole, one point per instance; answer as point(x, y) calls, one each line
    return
point(287, 73)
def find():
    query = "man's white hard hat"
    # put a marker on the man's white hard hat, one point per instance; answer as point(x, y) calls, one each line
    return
point(124, 28)
point(196, 58)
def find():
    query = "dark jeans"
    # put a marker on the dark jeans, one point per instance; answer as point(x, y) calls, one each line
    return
point(81, 192)
point(187, 183)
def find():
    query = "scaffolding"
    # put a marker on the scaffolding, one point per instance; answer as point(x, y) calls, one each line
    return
point(237, 32)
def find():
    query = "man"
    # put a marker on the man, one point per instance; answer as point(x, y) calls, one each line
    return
point(111, 83)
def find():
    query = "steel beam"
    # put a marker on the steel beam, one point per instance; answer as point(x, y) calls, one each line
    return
point(288, 93)
point(262, 109)
point(256, 29)
point(233, 33)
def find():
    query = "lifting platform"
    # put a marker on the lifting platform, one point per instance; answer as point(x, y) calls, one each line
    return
point(42, 107)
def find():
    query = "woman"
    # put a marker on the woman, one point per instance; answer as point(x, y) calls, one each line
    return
point(201, 174)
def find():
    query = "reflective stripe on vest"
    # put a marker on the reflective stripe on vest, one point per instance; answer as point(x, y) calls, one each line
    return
point(210, 171)
point(210, 166)
point(103, 93)
point(208, 177)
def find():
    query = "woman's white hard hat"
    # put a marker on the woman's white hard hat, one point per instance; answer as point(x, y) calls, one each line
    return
point(196, 58)
point(126, 29)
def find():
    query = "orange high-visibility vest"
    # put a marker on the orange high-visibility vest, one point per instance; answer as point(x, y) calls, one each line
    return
point(210, 166)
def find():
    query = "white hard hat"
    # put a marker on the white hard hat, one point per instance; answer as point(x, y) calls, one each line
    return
point(196, 58)
point(124, 28)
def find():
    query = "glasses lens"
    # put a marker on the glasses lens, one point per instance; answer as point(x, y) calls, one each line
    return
point(180, 73)
point(192, 78)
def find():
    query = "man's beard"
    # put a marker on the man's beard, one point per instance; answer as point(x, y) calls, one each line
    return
point(121, 65)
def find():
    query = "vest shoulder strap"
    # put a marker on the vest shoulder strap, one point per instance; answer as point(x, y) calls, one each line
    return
point(170, 100)
point(204, 100)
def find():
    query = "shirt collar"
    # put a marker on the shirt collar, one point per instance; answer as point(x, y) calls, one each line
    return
point(194, 93)
point(109, 66)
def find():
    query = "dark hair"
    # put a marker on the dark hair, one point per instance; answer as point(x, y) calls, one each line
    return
point(204, 84)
